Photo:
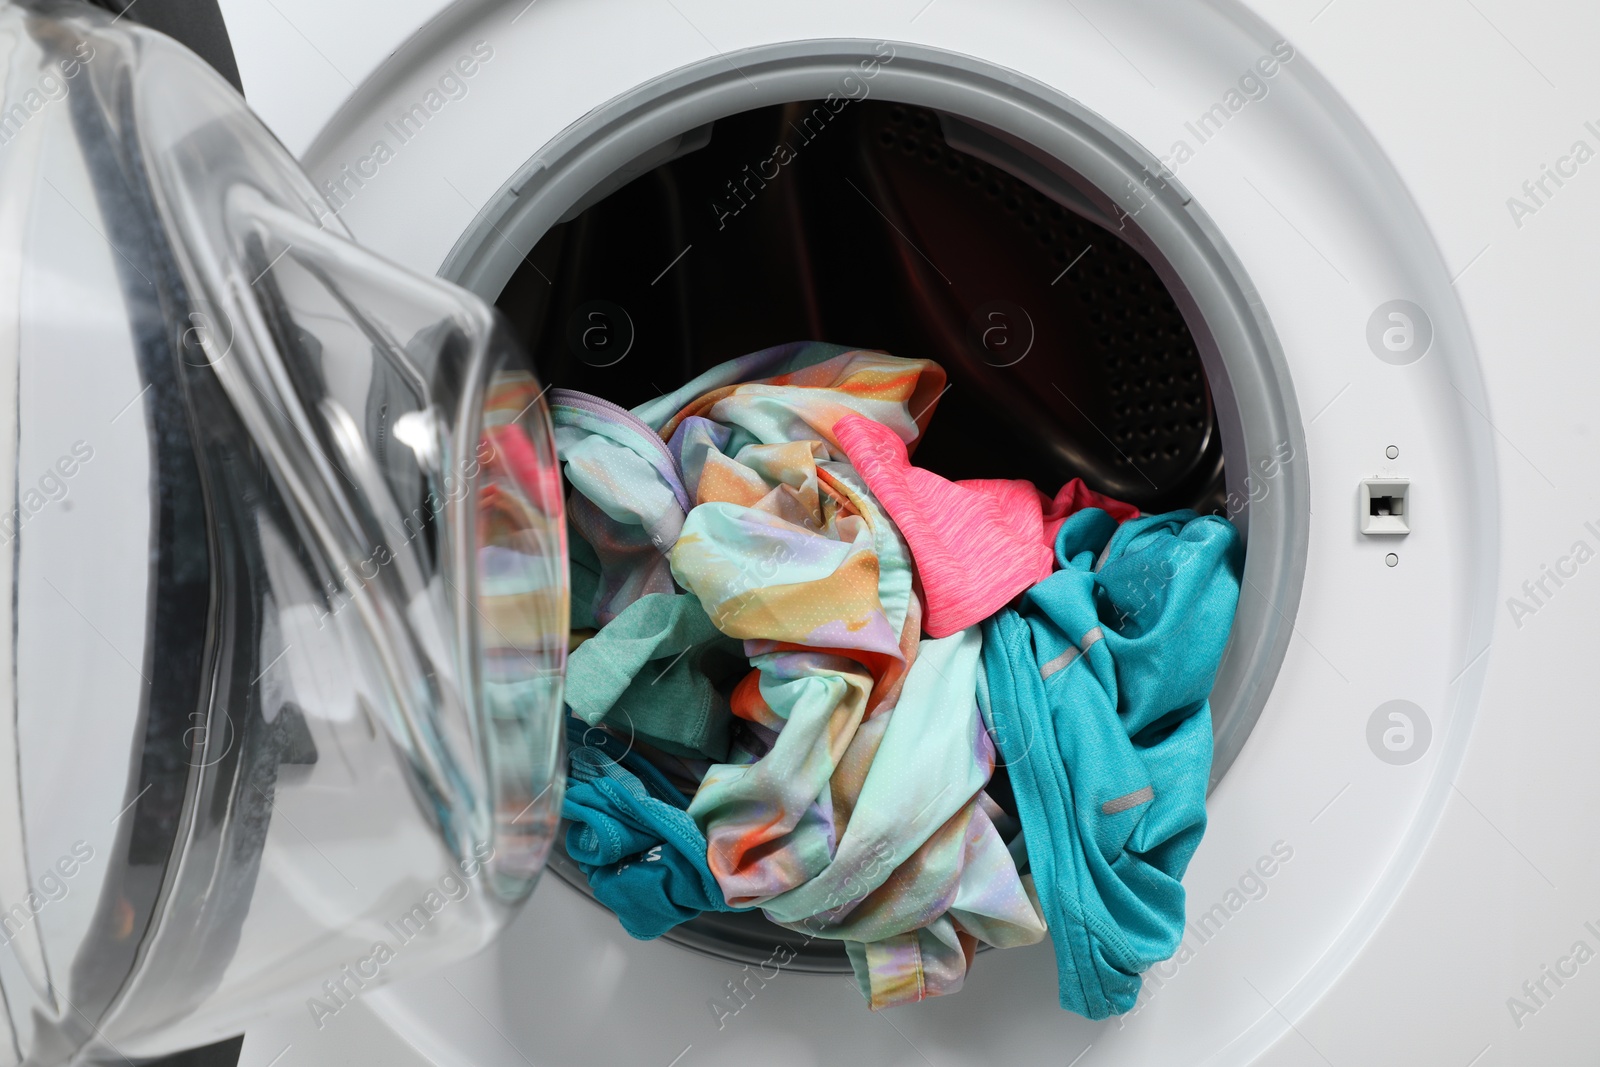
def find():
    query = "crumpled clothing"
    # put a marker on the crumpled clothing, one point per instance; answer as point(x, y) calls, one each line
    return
point(900, 393)
point(1095, 690)
point(933, 960)
point(976, 543)
point(627, 500)
point(827, 615)
point(825, 828)
point(920, 874)
point(825, 813)
point(644, 856)
point(650, 675)
point(583, 581)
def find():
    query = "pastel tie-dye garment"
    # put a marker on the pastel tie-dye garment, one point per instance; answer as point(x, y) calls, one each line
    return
point(627, 501)
point(864, 820)
point(920, 873)
point(827, 817)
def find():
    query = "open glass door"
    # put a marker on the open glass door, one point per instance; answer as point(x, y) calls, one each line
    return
point(284, 566)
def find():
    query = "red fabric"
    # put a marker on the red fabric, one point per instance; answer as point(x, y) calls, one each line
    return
point(976, 544)
point(1074, 497)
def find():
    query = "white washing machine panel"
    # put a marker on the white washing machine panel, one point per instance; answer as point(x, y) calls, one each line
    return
point(1381, 881)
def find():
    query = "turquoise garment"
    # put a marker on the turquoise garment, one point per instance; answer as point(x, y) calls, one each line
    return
point(644, 856)
point(649, 674)
point(1095, 691)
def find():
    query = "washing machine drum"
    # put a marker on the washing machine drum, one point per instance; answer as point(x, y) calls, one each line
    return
point(1087, 368)
point(285, 565)
point(288, 569)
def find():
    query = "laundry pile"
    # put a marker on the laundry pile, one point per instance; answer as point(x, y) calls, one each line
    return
point(797, 659)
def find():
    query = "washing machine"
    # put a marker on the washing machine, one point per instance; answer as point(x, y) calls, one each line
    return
point(1322, 268)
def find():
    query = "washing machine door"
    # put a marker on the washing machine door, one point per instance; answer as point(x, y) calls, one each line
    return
point(283, 571)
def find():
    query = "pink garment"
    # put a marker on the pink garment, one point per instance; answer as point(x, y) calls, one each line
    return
point(977, 543)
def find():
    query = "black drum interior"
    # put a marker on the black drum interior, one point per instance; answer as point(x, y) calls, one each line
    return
point(1066, 354)
point(861, 224)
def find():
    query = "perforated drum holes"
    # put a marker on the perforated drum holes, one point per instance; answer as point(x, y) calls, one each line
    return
point(1399, 332)
point(1391, 560)
point(1392, 452)
point(1398, 732)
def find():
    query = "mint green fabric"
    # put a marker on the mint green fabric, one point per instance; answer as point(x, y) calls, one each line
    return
point(1095, 690)
point(583, 579)
point(651, 673)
